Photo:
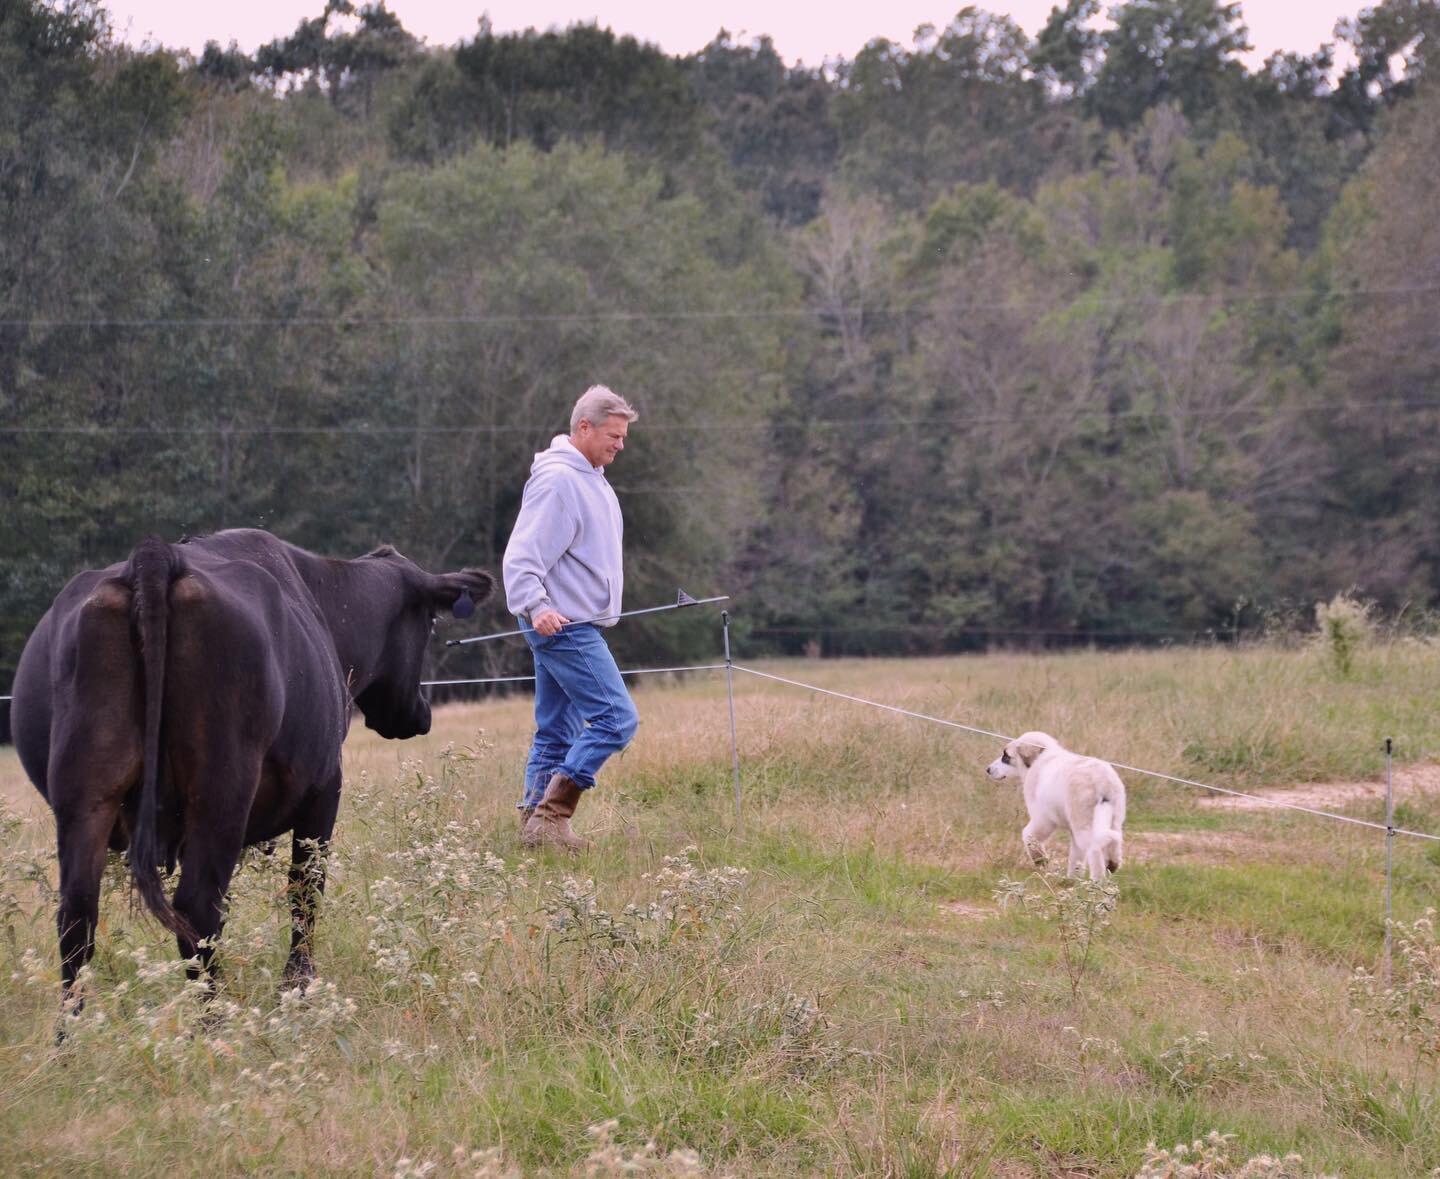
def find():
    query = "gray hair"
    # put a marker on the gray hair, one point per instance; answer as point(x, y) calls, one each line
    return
point(597, 404)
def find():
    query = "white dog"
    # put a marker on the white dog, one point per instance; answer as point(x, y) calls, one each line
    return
point(1063, 789)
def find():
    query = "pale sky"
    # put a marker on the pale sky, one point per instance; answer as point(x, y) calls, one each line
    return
point(803, 30)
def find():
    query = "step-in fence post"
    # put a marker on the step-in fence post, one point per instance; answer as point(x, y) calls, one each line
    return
point(1389, 847)
point(730, 696)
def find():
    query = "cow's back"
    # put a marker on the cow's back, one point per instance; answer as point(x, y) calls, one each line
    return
point(249, 648)
point(247, 651)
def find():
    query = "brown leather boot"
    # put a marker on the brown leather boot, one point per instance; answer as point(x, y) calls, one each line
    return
point(551, 821)
point(525, 813)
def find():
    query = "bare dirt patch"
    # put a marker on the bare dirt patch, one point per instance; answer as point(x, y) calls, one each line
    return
point(1409, 781)
point(969, 911)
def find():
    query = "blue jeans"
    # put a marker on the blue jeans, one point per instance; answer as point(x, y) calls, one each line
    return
point(583, 712)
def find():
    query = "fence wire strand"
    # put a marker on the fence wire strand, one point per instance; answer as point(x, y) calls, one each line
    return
point(937, 720)
point(1260, 798)
point(516, 679)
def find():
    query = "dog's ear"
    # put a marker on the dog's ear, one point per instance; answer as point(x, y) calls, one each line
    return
point(1028, 751)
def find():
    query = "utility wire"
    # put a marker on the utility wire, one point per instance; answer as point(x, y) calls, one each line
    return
point(511, 318)
point(762, 425)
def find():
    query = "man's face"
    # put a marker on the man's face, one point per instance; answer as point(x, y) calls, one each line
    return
point(600, 444)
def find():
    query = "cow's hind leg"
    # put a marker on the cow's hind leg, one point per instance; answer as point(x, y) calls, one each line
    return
point(214, 838)
point(310, 846)
point(88, 784)
point(94, 761)
point(82, 835)
point(205, 871)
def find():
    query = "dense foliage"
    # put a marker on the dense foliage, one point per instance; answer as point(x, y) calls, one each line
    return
point(1099, 333)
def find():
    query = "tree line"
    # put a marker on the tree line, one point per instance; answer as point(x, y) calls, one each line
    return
point(995, 338)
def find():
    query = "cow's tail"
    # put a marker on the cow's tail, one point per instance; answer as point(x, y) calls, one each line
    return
point(153, 566)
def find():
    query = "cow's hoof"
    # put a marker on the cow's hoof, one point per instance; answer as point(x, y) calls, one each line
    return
point(299, 974)
point(67, 1023)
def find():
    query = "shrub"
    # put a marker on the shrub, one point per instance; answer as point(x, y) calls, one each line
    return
point(1344, 627)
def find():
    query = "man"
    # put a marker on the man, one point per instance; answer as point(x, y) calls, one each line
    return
point(561, 567)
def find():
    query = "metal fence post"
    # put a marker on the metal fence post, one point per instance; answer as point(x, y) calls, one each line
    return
point(730, 696)
point(1389, 848)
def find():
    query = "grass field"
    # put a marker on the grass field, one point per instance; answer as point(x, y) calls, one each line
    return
point(825, 986)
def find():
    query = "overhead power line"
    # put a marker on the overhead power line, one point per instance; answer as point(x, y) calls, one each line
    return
point(722, 313)
point(761, 424)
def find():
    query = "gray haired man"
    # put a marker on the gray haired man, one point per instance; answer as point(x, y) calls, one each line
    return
point(563, 564)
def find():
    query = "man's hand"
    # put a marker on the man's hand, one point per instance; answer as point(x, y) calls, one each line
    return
point(548, 622)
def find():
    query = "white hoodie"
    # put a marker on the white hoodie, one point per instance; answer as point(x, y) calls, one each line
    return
point(564, 553)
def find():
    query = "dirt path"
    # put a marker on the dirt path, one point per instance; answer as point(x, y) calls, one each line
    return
point(1409, 782)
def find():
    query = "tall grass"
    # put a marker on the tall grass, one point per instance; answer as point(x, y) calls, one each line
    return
point(823, 986)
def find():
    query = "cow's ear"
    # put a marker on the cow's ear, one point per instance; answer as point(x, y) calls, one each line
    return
point(460, 592)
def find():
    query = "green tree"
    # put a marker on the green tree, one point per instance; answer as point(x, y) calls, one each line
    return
point(1067, 52)
point(1286, 114)
point(343, 63)
point(1382, 259)
point(1168, 51)
point(522, 277)
point(1406, 30)
point(963, 107)
point(543, 88)
point(81, 123)
point(773, 123)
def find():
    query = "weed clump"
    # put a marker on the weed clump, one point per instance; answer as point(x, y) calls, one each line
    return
point(1192, 1063)
point(607, 1158)
point(1344, 626)
point(1079, 909)
point(1408, 1008)
point(1209, 1158)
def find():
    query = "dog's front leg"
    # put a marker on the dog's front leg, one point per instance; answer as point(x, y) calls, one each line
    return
point(1032, 837)
point(1076, 859)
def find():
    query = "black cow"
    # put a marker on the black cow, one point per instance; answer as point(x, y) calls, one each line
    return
point(193, 700)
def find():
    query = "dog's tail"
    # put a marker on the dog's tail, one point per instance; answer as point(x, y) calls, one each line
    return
point(1105, 836)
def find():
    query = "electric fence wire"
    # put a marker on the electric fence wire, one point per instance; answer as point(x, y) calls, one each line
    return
point(764, 675)
point(1260, 798)
point(517, 679)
